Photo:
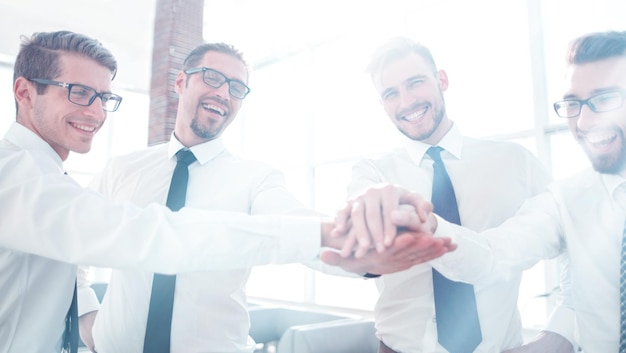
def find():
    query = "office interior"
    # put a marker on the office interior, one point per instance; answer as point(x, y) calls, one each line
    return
point(313, 112)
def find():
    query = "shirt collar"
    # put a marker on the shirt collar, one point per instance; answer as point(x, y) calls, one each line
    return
point(452, 142)
point(204, 152)
point(26, 139)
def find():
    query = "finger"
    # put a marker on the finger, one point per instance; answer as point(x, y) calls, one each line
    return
point(408, 219)
point(389, 203)
point(349, 264)
point(359, 230)
point(341, 219)
point(374, 219)
point(331, 258)
point(424, 210)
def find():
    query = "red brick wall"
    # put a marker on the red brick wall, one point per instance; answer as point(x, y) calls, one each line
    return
point(177, 30)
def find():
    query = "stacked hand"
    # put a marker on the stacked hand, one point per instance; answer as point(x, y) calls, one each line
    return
point(384, 230)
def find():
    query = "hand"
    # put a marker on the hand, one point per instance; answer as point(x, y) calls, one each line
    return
point(85, 325)
point(545, 341)
point(366, 218)
point(405, 217)
point(407, 250)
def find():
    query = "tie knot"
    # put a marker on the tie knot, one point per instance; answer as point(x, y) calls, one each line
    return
point(185, 156)
point(435, 153)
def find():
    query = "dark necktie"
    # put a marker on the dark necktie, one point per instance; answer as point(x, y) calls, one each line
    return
point(622, 287)
point(70, 336)
point(458, 329)
point(159, 325)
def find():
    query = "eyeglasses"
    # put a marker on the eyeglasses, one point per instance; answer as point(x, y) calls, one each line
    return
point(216, 79)
point(603, 102)
point(84, 95)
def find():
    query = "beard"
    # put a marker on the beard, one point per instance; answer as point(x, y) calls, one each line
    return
point(607, 163)
point(204, 132)
point(439, 112)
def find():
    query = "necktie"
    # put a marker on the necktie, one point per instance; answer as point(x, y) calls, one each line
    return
point(622, 301)
point(159, 325)
point(458, 329)
point(70, 336)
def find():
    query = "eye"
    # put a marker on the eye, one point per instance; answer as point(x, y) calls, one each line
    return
point(81, 91)
point(213, 76)
point(238, 88)
point(387, 95)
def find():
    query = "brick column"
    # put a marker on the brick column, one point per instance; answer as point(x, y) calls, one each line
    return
point(177, 30)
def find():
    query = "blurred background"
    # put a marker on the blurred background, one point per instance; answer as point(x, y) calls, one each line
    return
point(313, 112)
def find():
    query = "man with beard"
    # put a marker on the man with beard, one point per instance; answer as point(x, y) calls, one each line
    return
point(490, 180)
point(209, 308)
point(582, 216)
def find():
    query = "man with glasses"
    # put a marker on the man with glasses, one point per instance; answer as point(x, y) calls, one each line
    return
point(209, 308)
point(49, 223)
point(582, 216)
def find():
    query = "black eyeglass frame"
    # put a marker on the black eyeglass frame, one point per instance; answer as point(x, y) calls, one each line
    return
point(105, 97)
point(589, 102)
point(204, 70)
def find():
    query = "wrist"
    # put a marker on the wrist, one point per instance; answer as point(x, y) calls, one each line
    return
point(370, 275)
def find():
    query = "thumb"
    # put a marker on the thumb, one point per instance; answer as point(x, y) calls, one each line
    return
point(332, 258)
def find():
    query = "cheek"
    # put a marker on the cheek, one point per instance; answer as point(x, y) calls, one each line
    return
point(390, 108)
point(573, 125)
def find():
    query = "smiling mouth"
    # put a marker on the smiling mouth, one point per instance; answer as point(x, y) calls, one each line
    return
point(213, 108)
point(599, 139)
point(415, 115)
point(85, 128)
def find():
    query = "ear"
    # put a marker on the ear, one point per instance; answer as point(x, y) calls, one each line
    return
point(24, 92)
point(180, 82)
point(443, 80)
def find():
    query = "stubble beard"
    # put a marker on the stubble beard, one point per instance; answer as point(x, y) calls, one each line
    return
point(608, 163)
point(203, 133)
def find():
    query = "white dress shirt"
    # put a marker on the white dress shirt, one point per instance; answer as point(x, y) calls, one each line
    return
point(46, 217)
point(582, 216)
point(210, 309)
point(491, 180)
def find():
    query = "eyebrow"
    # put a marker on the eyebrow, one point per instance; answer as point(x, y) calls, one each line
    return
point(595, 92)
point(409, 79)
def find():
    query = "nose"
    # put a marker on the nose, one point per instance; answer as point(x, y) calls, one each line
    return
point(223, 91)
point(96, 110)
point(587, 118)
point(406, 100)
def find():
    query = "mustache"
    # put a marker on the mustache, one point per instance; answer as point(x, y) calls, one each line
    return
point(217, 100)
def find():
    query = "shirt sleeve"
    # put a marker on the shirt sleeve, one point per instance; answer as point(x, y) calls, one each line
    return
point(562, 319)
point(533, 234)
point(58, 219)
point(87, 299)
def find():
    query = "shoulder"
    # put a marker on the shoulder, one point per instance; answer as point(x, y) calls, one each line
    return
point(156, 153)
point(497, 151)
point(385, 159)
point(580, 182)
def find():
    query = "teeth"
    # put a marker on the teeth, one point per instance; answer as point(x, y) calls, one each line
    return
point(213, 107)
point(599, 138)
point(414, 116)
point(84, 127)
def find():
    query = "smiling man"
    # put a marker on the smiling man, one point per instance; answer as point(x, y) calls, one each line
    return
point(209, 307)
point(582, 216)
point(490, 180)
